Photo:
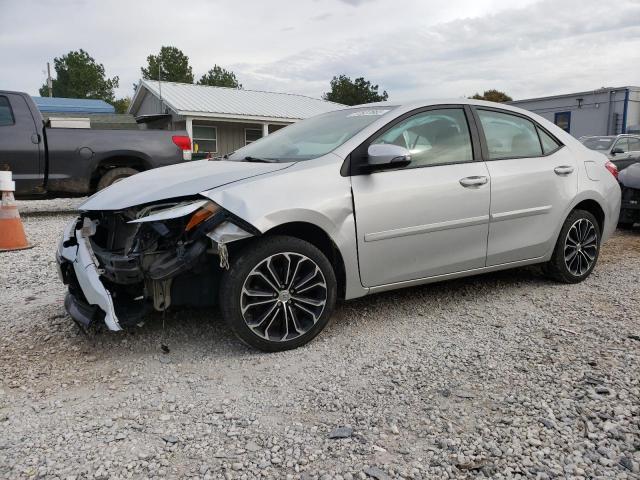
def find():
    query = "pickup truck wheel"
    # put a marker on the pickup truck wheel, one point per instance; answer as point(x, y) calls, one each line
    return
point(115, 175)
point(278, 294)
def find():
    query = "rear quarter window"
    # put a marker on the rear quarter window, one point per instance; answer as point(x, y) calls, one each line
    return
point(549, 144)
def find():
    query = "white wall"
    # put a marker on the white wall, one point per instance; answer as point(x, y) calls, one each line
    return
point(599, 113)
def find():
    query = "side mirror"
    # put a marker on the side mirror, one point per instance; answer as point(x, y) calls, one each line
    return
point(616, 151)
point(387, 156)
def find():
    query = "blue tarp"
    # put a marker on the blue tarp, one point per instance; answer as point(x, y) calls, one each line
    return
point(72, 105)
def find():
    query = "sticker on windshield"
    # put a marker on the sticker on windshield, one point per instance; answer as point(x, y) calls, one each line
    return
point(367, 113)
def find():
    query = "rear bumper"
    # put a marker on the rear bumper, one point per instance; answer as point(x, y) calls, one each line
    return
point(630, 206)
point(88, 299)
point(629, 214)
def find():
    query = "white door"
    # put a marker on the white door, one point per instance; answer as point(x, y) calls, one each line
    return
point(430, 217)
point(533, 181)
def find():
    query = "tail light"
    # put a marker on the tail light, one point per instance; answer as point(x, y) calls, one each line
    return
point(182, 141)
point(612, 168)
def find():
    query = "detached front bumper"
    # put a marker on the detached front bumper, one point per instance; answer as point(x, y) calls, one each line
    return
point(87, 300)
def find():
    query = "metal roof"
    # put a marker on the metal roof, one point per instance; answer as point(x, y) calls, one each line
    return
point(566, 95)
point(72, 105)
point(201, 100)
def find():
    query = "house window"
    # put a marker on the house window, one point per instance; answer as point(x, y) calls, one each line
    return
point(563, 120)
point(251, 135)
point(205, 139)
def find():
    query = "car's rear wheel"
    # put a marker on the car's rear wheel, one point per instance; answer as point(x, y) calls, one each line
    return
point(577, 248)
point(278, 294)
point(115, 175)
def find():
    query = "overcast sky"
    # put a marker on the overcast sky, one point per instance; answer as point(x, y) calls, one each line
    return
point(412, 48)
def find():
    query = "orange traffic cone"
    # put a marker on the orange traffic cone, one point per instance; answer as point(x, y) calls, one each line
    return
point(12, 235)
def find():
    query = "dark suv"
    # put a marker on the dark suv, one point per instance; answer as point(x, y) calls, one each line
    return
point(629, 180)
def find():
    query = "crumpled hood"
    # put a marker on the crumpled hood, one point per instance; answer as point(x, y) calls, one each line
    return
point(630, 176)
point(178, 180)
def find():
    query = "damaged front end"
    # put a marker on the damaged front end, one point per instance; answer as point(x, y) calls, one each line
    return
point(121, 265)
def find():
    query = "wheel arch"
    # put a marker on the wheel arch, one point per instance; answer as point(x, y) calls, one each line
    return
point(131, 160)
point(589, 203)
point(319, 238)
point(592, 206)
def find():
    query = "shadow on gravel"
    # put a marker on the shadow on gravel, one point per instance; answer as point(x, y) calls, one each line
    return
point(202, 331)
point(42, 350)
point(170, 335)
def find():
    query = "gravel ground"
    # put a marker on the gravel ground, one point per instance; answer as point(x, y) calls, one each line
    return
point(505, 375)
point(47, 207)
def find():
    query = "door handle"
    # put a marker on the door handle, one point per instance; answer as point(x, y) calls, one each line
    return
point(35, 138)
point(475, 181)
point(563, 170)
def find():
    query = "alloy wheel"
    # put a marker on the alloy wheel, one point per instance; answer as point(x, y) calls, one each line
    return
point(283, 296)
point(580, 247)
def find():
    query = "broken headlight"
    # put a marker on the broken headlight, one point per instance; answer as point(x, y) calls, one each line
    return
point(199, 211)
point(203, 213)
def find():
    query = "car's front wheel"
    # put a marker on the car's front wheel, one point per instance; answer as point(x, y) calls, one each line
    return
point(279, 293)
point(577, 248)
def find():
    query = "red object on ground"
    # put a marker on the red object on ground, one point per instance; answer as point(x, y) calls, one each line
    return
point(12, 236)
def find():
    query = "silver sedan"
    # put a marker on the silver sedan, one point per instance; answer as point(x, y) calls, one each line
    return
point(342, 205)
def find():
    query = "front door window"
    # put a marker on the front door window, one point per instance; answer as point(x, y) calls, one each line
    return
point(435, 137)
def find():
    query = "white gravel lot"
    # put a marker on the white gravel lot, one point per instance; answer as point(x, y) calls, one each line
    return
point(505, 375)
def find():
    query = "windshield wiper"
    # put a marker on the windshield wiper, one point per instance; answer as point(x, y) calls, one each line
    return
point(260, 160)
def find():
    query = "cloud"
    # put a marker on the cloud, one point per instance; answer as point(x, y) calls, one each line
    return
point(537, 50)
point(324, 16)
point(411, 48)
point(356, 3)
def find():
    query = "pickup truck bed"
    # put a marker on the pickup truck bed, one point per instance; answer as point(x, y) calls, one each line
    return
point(75, 161)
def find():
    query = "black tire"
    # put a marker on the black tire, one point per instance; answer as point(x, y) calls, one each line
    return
point(557, 268)
point(114, 175)
point(252, 256)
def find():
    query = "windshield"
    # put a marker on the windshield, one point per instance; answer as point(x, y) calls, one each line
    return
point(597, 143)
point(310, 138)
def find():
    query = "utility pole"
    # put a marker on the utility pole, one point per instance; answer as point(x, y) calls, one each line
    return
point(49, 81)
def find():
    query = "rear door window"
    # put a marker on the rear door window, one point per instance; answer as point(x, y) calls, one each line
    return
point(509, 136)
point(6, 115)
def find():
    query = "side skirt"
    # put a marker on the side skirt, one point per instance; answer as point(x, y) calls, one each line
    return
point(464, 273)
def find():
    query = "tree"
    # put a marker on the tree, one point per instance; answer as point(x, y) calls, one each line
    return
point(174, 66)
point(122, 104)
point(219, 77)
point(493, 96)
point(348, 92)
point(79, 76)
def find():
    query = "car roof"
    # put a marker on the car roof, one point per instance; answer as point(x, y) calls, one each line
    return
point(412, 105)
point(442, 101)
